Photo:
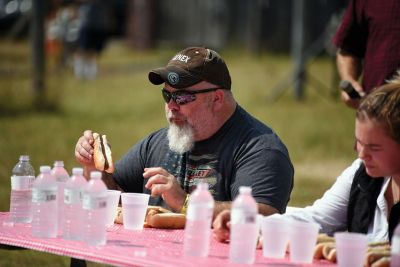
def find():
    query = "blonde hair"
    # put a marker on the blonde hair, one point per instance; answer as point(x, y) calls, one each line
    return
point(396, 78)
point(383, 106)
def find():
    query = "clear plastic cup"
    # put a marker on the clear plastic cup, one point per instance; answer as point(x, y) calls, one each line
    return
point(112, 204)
point(275, 236)
point(134, 206)
point(350, 249)
point(302, 241)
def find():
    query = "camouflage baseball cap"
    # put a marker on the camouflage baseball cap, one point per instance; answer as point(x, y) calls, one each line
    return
point(193, 65)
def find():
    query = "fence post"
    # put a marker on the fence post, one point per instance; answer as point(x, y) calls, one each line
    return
point(38, 53)
point(297, 47)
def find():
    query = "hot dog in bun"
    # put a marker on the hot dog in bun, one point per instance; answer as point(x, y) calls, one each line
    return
point(102, 154)
point(158, 217)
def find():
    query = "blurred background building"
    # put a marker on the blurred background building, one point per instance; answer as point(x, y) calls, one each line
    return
point(301, 28)
point(254, 24)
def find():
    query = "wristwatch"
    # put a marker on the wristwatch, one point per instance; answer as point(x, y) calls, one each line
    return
point(185, 204)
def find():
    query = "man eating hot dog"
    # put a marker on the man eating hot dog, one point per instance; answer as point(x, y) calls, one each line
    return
point(210, 138)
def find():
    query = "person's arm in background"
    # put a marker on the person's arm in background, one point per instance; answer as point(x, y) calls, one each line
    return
point(222, 216)
point(350, 69)
point(351, 40)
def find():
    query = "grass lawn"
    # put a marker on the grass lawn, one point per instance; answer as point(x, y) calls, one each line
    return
point(121, 103)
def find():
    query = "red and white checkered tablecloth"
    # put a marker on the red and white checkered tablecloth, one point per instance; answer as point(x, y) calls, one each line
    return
point(150, 247)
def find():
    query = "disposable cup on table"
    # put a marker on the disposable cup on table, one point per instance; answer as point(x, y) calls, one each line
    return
point(274, 231)
point(134, 206)
point(302, 241)
point(350, 249)
point(112, 204)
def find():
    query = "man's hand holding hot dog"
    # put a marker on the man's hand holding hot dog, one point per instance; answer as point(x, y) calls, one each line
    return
point(84, 150)
point(93, 153)
point(161, 182)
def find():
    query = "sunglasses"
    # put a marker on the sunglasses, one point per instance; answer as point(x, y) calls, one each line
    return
point(183, 97)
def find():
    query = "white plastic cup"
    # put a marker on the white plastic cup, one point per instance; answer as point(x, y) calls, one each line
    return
point(350, 249)
point(134, 206)
point(275, 236)
point(112, 204)
point(302, 241)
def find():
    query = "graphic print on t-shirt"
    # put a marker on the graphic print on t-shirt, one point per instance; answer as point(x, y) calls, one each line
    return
point(201, 169)
point(190, 170)
point(175, 164)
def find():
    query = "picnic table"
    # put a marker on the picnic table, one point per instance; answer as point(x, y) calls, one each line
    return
point(149, 247)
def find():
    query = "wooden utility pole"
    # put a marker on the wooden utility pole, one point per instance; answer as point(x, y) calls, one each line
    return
point(297, 47)
point(38, 52)
point(140, 26)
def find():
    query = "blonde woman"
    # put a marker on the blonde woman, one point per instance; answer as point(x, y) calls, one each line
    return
point(366, 197)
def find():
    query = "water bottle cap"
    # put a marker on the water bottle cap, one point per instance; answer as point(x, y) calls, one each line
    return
point(45, 169)
point(244, 190)
point(95, 175)
point(24, 158)
point(58, 163)
point(77, 171)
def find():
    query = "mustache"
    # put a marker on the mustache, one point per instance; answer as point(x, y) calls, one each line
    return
point(174, 115)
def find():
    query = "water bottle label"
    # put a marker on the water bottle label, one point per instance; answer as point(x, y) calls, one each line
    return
point(243, 217)
point(197, 213)
point(21, 182)
point(61, 179)
point(39, 195)
point(395, 249)
point(72, 196)
point(92, 203)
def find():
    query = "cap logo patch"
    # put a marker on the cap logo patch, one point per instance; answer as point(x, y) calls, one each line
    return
point(182, 58)
point(173, 78)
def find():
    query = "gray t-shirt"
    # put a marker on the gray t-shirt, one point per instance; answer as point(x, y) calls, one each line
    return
point(243, 152)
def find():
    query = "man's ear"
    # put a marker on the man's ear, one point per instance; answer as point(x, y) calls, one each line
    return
point(218, 100)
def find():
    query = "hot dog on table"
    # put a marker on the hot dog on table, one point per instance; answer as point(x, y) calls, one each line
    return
point(158, 217)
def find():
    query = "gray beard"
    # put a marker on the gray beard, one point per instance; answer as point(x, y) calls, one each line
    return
point(180, 139)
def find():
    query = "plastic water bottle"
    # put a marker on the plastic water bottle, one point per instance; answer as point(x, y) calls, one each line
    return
point(72, 225)
point(198, 222)
point(95, 210)
point(395, 247)
point(244, 228)
point(61, 176)
point(44, 205)
point(22, 179)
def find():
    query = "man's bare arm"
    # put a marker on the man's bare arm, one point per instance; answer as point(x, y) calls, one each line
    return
point(349, 66)
point(107, 178)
